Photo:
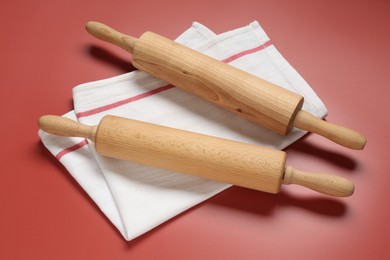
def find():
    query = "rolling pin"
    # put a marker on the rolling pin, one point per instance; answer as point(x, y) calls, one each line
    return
point(241, 164)
point(251, 97)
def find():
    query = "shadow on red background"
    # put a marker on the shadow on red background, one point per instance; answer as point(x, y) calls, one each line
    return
point(103, 55)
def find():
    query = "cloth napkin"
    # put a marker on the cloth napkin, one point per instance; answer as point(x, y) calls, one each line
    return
point(137, 198)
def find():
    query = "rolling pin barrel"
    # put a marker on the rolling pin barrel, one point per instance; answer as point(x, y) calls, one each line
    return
point(218, 159)
point(251, 97)
point(226, 86)
point(245, 165)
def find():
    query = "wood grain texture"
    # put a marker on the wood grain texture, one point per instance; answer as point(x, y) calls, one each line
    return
point(224, 85)
point(244, 165)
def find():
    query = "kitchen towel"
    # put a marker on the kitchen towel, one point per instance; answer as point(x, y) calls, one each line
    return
point(137, 198)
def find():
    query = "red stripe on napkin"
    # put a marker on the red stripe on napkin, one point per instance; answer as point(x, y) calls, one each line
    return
point(246, 52)
point(71, 149)
point(123, 102)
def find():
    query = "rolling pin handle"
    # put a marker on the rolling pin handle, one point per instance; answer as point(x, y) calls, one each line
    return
point(63, 126)
point(323, 183)
point(338, 134)
point(106, 33)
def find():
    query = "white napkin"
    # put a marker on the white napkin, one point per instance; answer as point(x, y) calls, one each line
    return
point(137, 198)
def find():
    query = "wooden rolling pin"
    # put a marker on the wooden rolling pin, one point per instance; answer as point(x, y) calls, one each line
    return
point(218, 159)
point(233, 89)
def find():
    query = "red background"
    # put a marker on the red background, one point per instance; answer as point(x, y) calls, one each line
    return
point(340, 47)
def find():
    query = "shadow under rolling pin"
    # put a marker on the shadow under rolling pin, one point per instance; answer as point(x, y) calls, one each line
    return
point(233, 89)
point(241, 164)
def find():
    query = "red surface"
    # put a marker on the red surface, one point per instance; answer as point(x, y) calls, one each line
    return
point(340, 47)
